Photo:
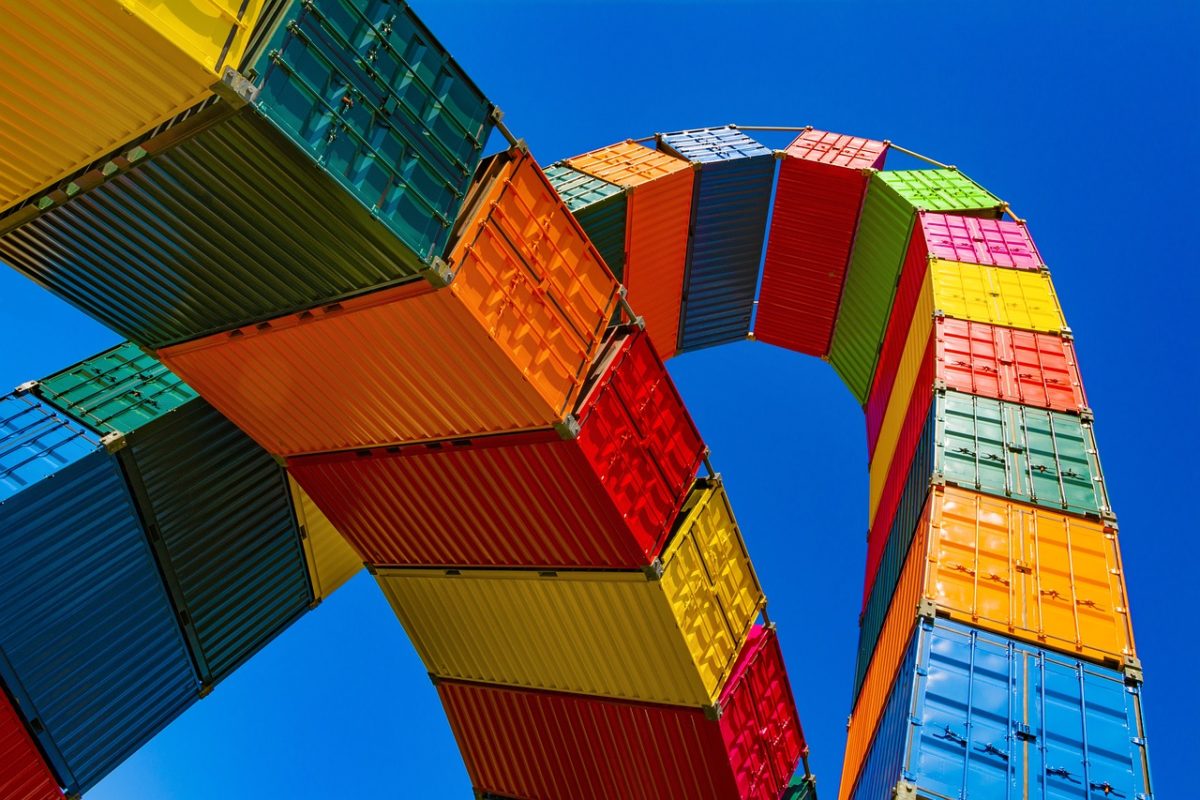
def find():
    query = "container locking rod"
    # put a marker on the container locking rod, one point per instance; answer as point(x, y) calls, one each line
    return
point(917, 155)
point(780, 128)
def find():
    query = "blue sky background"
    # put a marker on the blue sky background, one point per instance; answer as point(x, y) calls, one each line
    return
point(1082, 116)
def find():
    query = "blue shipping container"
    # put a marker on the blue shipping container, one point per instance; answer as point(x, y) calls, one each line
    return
point(90, 647)
point(976, 716)
point(729, 225)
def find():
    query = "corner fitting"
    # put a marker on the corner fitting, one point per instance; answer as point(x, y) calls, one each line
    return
point(1133, 671)
point(235, 88)
point(438, 273)
point(568, 428)
point(904, 791)
point(113, 442)
point(26, 387)
point(713, 712)
point(654, 570)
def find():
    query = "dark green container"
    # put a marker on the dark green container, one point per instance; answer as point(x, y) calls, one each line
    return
point(335, 165)
point(600, 207)
point(802, 787)
point(217, 508)
point(880, 244)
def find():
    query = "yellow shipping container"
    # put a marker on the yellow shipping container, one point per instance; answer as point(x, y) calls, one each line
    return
point(668, 635)
point(87, 76)
point(331, 559)
point(1051, 579)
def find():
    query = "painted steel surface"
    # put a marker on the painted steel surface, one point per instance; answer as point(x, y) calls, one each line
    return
point(880, 246)
point(603, 493)
point(527, 308)
point(600, 207)
point(801, 787)
point(23, 773)
point(106, 72)
point(1009, 297)
point(72, 535)
point(546, 746)
point(729, 219)
point(35, 443)
point(660, 636)
point(1050, 579)
point(117, 391)
point(330, 558)
point(822, 182)
point(164, 241)
point(975, 714)
point(660, 189)
point(222, 527)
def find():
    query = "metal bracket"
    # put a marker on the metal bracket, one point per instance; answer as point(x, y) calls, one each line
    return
point(113, 442)
point(654, 570)
point(939, 384)
point(713, 712)
point(235, 88)
point(26, 387)
point(438, 273)
point(1133, 671)
point(568, 428)
point(926, 608)
point(904, 791)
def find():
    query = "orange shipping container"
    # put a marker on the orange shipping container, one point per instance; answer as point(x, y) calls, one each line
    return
point(1026, 572)
point(504, 345)
point(656, 230)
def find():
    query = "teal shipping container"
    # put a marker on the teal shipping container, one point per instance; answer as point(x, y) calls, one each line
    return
point(732, 196)
point(802, 787)
point(217, 508)
point(349, 123)
point(90, 647)
point(600, 208)
point(889, 211)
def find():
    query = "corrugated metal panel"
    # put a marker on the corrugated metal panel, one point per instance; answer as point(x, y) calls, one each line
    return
point(23, 773)
point(969, 705)
point(822, 181)
point(898, 434)
point(1007, 297)
point(659, 216)
point(991, 242)
point(168, 53)
point(1035, 369)
point(221, 523)
point(729, 218)
point(35, 443)
point(600, 208)
point(801, 787)
point(117, 391)
point(75, 543)
point(546, 746)
point(880, 246)
point(527, 313)
point(331, 559)
point(669, 639)
point(604, 498)
point(1030, 454)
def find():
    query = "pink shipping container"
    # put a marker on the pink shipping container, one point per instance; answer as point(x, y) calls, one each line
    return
point(971, 240)
point(549, 746)
point(822, 181)
point(601, 493)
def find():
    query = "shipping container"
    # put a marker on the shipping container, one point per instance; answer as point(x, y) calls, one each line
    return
point(600, 207)
point(505, 346)
point(240, 208)
point(729, 222)
point(98, 682)
point(801, 787)
point(974, 714)
point(1043, 577)
point(540, 745)
point(667, 634)
point(601, 492)
point(822, 181)
point(880, 245)
point(330, 558)
point(24, 775)
point(80, 78)
point(658, 217)
point(996, 296)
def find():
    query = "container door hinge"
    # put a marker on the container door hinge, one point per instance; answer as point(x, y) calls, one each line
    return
point(713, 712)
point(113, 442)
point(568, 428)
point(235, 88)
point(904, 791)
point(438, 273)
point(654, 570)
point(26, 387)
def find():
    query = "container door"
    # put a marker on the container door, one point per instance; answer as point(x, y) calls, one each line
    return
point(1049, 460)
point(972, 444)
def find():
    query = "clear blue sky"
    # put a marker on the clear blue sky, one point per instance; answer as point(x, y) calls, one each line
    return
point(1082, 116)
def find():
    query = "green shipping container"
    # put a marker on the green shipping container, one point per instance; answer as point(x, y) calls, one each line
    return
point(600, 208)
point(335, 164)
point(1031, 455)
point(802, 787)
point(880, 244)
point(217, 508)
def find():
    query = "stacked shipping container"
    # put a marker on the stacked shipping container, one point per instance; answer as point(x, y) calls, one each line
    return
point(518, 471)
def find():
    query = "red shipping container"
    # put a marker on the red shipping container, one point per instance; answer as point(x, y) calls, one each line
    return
point(23, 773)
point(822, 182)
point(602, 492)
point(548, 746)
point(991, 242)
